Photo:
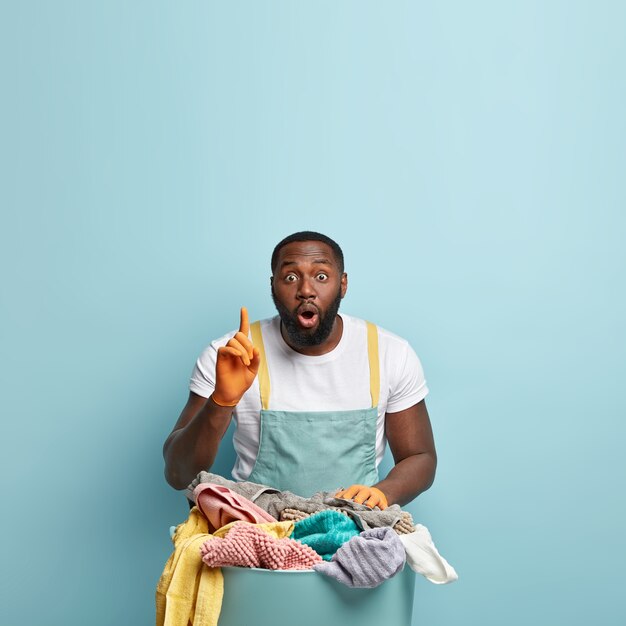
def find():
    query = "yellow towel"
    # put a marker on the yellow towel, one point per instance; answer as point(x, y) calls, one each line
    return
point(188, 592)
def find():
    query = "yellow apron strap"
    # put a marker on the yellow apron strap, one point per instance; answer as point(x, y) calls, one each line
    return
point(264, 376)
point(372, 353)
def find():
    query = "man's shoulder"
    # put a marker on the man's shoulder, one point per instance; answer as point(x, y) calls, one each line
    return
point(384, 335)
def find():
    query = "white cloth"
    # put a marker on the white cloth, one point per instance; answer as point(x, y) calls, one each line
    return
point(423, 557)
point(337, 380)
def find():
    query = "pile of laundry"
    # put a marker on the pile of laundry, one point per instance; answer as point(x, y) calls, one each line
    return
point(251, 525)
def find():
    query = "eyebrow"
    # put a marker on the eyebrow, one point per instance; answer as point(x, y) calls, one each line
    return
point(320, 261)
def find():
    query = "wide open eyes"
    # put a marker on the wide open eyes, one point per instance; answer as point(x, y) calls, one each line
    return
point(292, 278)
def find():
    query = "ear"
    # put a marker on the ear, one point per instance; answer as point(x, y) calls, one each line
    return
point(344, 284)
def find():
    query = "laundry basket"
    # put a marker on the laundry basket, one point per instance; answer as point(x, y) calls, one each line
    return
point(261, 597)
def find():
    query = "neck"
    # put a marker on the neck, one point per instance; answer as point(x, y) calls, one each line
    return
point(326, 346)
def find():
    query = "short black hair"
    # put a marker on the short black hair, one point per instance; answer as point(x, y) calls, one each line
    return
point(309, 235)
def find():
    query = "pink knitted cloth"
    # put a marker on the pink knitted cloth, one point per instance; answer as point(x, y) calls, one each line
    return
point(247, 545)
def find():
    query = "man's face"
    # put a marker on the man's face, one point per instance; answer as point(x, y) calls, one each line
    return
point(307, 288)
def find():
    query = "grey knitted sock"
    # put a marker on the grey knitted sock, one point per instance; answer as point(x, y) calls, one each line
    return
point(367, 560)
point(293, 515)
point(405, 525)
point(297, 516)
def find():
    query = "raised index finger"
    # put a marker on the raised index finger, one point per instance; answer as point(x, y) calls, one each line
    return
point(244, 325)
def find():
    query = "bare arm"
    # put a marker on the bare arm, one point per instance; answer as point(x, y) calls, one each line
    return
point(410, 438)
point(193, 443)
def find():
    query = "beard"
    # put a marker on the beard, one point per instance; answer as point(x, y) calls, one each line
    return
point(301, 337)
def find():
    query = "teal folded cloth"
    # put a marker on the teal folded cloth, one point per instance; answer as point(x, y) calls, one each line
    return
point(325, 532)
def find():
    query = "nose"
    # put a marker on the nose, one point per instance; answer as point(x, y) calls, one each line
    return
point(306, 289)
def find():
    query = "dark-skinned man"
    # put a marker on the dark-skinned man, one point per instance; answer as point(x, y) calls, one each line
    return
point(314, 394)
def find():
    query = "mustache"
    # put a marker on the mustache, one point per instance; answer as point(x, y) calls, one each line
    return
point(300, 337)
point(307, 306)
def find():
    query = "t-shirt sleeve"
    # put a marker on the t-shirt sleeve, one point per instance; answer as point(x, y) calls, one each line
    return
point(203, 376)
point(408, 385)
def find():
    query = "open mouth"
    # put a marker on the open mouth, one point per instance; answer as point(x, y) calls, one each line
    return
point(308, 316)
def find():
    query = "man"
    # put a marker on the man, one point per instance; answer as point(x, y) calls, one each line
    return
point(314, 394)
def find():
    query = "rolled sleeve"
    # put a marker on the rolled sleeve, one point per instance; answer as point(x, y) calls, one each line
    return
point(202, 380)
point(409, 385)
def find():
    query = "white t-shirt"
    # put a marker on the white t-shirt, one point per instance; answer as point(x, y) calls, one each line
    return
point(337, 380)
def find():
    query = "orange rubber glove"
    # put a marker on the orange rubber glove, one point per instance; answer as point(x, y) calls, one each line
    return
point(362, 494)
point(237, 366)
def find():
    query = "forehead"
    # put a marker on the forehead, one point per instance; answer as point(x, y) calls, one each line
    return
point(298, 252)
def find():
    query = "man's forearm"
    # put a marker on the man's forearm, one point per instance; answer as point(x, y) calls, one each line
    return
point(193, 447)
point(409, 478)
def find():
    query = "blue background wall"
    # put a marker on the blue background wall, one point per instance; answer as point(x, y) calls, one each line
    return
point(469, 157)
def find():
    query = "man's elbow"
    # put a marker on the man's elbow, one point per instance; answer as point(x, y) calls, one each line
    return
point(171, 471)
point(430, 462)
point(174, 479)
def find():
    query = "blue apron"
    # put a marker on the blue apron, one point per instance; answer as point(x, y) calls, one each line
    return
point(309, 451)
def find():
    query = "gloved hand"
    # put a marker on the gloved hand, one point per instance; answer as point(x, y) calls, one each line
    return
point(362, 494)
point(237, 366)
